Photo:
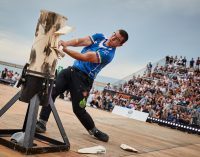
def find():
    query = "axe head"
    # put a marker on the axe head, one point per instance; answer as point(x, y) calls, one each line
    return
point(65, 30)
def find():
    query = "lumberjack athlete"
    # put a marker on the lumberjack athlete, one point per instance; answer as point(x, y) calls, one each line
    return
point(78, 78)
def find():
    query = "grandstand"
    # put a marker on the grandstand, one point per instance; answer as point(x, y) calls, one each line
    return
point(140, 72)
point(169, 92)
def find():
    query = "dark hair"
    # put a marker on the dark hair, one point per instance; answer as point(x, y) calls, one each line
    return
point(124, 34)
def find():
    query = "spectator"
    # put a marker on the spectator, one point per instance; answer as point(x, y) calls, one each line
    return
point(198, 62)
point(108, 87)
point(184, 60)
point(149, 68)
point(4, 73)
point(167, 58)
point(192, 63)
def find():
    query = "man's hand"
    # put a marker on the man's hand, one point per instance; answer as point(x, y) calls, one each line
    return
point(61, 43)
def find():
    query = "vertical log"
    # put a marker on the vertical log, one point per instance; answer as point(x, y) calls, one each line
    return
point(43, 57)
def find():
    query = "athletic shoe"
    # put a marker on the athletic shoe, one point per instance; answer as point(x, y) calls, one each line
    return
point(40, 127)
point(101, 135)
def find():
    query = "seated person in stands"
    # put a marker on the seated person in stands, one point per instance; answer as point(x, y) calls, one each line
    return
point(96, 101)
point(171, 117)
point(108, 87)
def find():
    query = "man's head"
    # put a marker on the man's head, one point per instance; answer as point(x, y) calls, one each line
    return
point(118, 38)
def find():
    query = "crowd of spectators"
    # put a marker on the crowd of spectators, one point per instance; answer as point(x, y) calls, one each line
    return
point(170, 92)
point(9, 77)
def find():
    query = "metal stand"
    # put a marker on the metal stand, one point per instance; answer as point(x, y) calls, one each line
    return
point(29, 126)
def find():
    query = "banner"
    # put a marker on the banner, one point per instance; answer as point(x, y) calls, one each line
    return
point(130, 113)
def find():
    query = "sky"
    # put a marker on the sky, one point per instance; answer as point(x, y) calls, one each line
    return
point(156, 28)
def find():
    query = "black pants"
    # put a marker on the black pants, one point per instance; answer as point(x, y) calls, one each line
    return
point(79, 85)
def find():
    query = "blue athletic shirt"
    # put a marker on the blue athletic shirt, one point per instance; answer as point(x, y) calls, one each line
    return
point(104, 54)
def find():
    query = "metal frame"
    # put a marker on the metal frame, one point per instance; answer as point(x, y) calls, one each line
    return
point(29, 126)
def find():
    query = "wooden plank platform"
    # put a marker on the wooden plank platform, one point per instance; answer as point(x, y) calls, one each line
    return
point(150, 140)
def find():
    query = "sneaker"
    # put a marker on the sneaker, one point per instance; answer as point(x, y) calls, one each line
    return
point(40, 127)
point(101, 135)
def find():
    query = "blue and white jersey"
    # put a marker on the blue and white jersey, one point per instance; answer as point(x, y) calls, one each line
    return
point(104, 54)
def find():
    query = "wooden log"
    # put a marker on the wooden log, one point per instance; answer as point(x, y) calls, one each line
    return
point(43, 57)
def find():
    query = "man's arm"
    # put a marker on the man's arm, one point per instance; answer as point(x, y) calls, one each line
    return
point(87, 57)
point(86, 41)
